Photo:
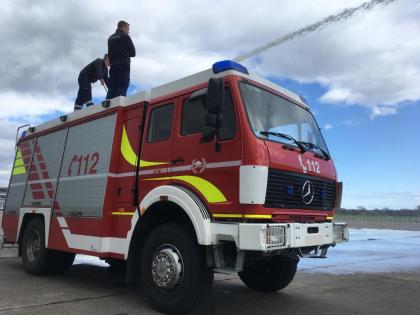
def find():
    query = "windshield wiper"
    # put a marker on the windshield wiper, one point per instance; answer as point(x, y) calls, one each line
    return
point(314, 146)
point(284, 136)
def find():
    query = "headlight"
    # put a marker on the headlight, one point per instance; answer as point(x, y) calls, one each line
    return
point(275, 236)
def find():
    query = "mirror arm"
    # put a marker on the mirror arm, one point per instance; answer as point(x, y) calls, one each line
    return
point(217, 145)
point(207, 136)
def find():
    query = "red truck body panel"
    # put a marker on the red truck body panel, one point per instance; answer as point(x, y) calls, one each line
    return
point(178, 160)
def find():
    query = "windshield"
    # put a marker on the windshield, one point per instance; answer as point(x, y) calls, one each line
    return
point(268, 112)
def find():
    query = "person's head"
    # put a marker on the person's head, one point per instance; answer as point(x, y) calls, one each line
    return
point(123, 26)
point(106, 60)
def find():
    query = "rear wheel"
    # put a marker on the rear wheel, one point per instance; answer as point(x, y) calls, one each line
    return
point(36, 258)
point(269, 275)
point(174, 275)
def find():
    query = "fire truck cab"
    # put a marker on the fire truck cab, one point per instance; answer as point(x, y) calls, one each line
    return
point(221, 171)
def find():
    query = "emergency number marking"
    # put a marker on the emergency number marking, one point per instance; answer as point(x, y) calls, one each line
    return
point(309, 165)
point(83, 164)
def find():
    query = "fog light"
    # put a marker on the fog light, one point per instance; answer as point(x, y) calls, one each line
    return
point(275, 236)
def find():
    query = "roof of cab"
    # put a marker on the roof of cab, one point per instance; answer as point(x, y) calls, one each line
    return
point(165, 89)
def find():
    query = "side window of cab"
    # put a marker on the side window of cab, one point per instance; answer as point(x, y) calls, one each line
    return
point(194, 117)
point(160, 125)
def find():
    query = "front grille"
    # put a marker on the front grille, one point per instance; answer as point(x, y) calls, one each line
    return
point(284, 190)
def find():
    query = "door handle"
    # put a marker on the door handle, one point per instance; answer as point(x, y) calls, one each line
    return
point(178, 160)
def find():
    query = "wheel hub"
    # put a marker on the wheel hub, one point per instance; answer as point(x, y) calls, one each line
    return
point(167, 267)
point(34, 248)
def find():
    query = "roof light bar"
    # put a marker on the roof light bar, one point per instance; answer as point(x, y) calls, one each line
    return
point(228, 65)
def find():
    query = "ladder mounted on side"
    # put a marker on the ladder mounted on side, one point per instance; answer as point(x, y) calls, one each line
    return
point(17, 133)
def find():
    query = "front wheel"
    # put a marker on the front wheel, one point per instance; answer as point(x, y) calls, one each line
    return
point(174, 275)
point(117, 266)
point(269, 275)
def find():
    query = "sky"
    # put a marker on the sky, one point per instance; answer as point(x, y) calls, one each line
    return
point(361, 76)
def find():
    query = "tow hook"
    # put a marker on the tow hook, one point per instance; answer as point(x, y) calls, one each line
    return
point(317, 252)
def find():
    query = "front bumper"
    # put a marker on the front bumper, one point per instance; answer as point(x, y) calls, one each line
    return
point(275, 236)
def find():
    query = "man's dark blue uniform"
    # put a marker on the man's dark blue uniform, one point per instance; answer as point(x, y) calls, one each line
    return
point(120, 49)
point(96, 70)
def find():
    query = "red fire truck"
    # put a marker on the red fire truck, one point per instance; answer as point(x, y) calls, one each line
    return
point(221, 171)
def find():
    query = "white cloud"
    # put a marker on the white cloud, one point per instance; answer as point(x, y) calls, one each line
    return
point(4, 178)
point(328, 126)
point(29, 107)
point(371, 60)
point(338, 95)
point(383, 111)
point(7, 144)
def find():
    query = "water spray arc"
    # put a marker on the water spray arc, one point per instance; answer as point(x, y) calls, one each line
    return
point(347, 13)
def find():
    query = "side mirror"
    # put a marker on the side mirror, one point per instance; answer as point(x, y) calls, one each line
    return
point(215, 98)
point(214, 121)
point(214, 104)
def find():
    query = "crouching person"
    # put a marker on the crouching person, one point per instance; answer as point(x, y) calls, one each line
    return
point(96, 70)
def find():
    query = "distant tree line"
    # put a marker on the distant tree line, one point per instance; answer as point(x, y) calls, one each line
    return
point(387, 212)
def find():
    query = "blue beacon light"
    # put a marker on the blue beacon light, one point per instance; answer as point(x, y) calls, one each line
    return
point(290, 190)
point(228, 65)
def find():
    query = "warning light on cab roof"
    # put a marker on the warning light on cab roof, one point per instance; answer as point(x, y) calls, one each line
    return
point(228, 65)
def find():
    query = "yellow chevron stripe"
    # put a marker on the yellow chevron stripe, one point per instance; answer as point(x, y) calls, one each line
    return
point(130, 156)
point(122, 213)
point(209, 191)
point(247, 216)
point(19, 170)
point(257, 216)
point(19, 162)
point(225, 215)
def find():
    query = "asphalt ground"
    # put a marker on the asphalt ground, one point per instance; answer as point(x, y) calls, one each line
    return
point(90, 289)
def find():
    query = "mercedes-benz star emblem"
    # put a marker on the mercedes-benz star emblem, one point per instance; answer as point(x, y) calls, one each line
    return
point(307, 192)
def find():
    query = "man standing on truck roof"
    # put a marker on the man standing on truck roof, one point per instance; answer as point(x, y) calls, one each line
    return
point(96, 70)
point(120, 49)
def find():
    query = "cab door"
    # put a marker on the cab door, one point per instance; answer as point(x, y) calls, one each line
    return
point(156, 156)
point(211, 173)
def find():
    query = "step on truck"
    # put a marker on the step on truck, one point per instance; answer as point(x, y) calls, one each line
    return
point(221, 171)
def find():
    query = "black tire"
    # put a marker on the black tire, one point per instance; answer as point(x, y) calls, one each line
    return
point(35, 257)
point(60, 261)
point(117, 266)
point(269, 275)
point(170, 245)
